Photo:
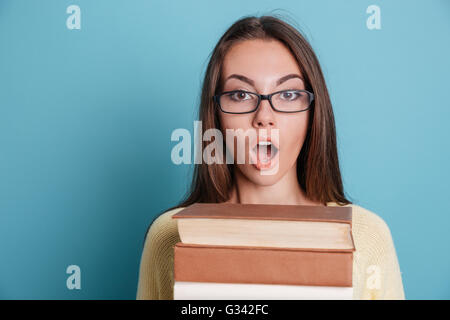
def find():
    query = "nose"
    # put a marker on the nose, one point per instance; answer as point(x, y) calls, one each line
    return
point(264, 116)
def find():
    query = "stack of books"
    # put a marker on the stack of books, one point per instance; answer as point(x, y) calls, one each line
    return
point(255, 251)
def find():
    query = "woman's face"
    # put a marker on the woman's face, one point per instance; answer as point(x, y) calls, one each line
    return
point(257, 66)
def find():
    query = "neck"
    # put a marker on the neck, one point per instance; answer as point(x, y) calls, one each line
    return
point(285, 191)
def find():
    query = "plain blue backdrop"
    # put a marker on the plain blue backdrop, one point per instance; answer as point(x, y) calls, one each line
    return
point(86, 118)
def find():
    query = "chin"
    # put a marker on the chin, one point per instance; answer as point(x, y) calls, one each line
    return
point(255, 176)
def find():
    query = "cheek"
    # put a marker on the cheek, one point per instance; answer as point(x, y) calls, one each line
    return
point(292, 135)
point(233, 121)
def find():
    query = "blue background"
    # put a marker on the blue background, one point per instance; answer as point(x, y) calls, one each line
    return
point(86, 118)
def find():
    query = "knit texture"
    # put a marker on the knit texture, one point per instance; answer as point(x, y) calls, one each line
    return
point(376, 272)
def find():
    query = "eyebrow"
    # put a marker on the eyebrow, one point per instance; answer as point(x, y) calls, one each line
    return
point(251, 82)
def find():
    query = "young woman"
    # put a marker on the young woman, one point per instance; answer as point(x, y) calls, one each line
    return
point(263, 74)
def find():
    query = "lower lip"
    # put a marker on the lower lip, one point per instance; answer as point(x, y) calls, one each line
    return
point(257, 164)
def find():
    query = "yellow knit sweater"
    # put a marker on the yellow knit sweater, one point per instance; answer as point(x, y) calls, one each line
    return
point(376, 272)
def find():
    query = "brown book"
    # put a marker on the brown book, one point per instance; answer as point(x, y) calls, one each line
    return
point(283, 226)
point(241, 264)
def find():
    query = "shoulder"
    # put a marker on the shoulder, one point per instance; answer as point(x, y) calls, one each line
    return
point(163, 231)
point(368, 228)
point(365, 220)
point(164, 220)
point(370, 231)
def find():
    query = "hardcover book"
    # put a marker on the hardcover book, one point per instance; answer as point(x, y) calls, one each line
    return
point(285, 226)
point(241, 264)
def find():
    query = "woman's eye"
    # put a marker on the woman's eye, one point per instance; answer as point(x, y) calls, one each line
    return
point(290, 95)
point(239, 96)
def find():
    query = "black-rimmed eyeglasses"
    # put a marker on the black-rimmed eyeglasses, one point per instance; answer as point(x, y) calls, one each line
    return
point(241, 101)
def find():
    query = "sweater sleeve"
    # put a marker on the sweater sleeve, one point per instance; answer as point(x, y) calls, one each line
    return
point(380, 271)
point(156, 265)
point(391, 284)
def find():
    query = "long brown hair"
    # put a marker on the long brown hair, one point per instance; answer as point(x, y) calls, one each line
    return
point(318, 169)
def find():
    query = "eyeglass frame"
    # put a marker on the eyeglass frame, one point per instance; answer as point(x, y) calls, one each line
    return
point(261, 97)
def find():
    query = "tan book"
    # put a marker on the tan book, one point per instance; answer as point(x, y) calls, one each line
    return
point(241, 264)
point(285, 226)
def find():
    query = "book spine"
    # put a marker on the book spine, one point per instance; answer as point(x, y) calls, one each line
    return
point(223, 264)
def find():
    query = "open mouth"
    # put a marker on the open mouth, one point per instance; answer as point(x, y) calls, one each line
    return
point(265, 152)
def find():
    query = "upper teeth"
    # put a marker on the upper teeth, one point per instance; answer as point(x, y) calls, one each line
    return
point(265, 143)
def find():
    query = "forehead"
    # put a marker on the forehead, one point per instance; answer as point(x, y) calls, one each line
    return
point(261, 60)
